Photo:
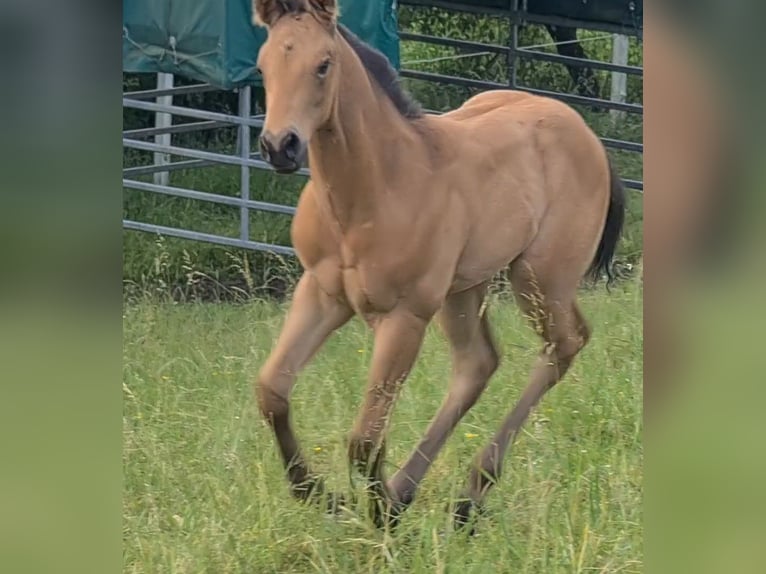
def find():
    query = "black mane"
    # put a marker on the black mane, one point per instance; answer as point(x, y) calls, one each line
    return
point(379, 69)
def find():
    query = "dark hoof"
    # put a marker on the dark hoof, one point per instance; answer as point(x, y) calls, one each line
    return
point(465, 513)
point(336, 502)
point(386, 513)
point(309, 489)
point(312, 490)
point(385, 509)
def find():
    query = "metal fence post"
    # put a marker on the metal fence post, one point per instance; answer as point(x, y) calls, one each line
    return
point(245, 94)
point(620, 45)
point(163, 120)
point(513, 43)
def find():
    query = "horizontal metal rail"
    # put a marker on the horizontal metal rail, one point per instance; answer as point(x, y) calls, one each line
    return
point(471, 46)
point(633, 184)
point(623, 145)
point(199, 154)
point(468, 45)
point(207, 237)
point(526, 17)
point(176, 129)
point(176, 91)
point(253, 121)
point(209, 197)
point(488, 85)
point(469, 7)
point(135, 171)
point(211, 158)
point(552, 20)
point(580, 62)
point(173, 166)
point(585, 101)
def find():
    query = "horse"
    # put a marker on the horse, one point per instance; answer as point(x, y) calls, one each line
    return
point(406, 218)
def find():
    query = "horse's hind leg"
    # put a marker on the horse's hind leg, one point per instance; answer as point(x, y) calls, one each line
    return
point(312, 317)
point(548, 299)
point(474, 360)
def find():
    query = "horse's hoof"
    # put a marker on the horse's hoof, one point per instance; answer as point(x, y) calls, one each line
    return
point(465, 513)
point(386, 514)
point(336, 502)
point(312, 491)
point(309, 489)
point(386, 510)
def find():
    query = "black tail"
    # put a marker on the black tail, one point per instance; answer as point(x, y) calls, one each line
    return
point(615, 217)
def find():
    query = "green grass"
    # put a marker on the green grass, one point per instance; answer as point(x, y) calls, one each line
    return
point(204, 488)
point(142, 256)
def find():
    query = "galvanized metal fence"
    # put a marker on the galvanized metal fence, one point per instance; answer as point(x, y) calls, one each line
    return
point(518, 16)
point(245, 159)
point(155, 101)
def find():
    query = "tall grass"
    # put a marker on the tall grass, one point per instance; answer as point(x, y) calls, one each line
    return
point(204, 486)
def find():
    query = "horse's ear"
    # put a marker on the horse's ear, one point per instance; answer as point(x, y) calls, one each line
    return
point(267, 12)
point(326, 10)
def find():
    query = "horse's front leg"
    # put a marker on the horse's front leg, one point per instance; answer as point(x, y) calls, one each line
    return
point(398, 337)
point(312, 317)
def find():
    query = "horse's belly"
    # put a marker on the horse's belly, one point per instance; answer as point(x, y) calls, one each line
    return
point(491, 248)
point(473, 273)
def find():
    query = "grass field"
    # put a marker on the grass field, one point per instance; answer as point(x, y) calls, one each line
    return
point(204, 488)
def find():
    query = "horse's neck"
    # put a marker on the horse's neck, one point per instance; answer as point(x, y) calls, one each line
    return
point(348, 157)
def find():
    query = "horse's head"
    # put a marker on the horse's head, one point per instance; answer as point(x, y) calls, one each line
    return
point(300, 77)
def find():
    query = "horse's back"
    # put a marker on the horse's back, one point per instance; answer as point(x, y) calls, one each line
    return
point(486, 102)
point(510, 111)
point(521, 132)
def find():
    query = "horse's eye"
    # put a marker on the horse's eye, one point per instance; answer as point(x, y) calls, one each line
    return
point(323, 68)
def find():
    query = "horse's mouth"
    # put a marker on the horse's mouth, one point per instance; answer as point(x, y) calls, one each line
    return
point(286, 169)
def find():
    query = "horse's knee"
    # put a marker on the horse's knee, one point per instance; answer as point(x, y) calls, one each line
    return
point(476, 372)
point(487, 363)
point(493, 364)
point(272, 399)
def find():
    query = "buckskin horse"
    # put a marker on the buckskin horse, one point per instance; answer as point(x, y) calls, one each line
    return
point(408, 216)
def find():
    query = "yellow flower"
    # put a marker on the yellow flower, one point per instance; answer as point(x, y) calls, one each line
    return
point(317, 449)
point(470, 435)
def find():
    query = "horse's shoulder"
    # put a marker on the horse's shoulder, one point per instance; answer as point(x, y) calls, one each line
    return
point(312, 237)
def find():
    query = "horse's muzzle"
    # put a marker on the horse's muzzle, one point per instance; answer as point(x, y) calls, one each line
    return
point(285, 152)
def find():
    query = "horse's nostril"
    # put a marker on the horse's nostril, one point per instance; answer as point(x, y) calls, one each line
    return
point(292, 143)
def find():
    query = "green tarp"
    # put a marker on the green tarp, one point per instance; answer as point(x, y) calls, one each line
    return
point(214, 41)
